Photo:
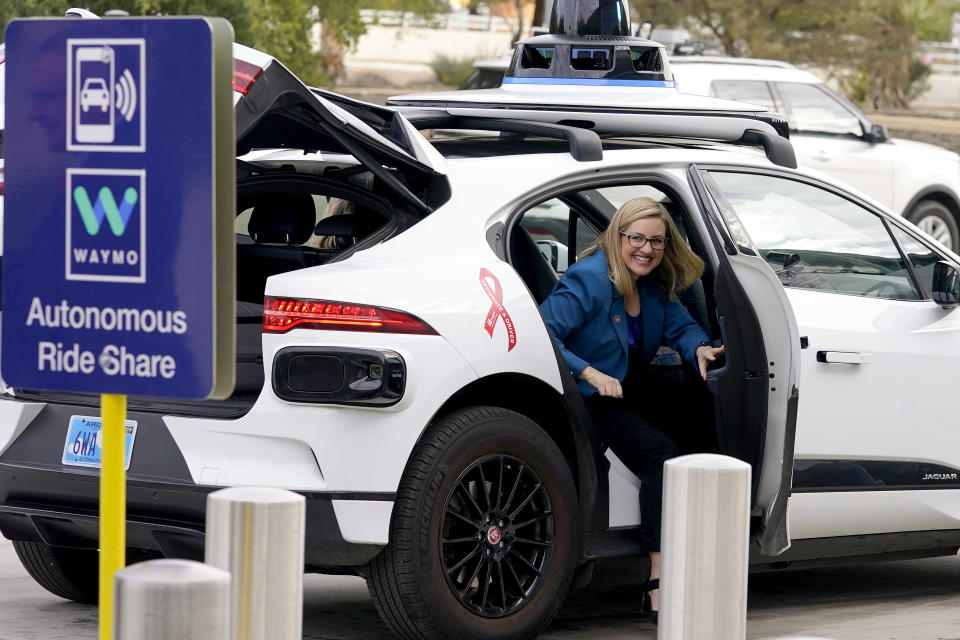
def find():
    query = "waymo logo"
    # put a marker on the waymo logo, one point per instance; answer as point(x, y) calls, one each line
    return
point(106, 225)
point(105, 207)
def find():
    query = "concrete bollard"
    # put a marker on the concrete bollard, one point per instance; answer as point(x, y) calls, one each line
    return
point(257, 534)
point(704, 555)
point(164, 599)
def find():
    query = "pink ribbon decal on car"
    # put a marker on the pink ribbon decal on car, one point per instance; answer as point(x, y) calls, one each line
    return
point(497, 309)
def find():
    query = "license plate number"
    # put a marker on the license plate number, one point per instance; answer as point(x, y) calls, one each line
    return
point(84, 445)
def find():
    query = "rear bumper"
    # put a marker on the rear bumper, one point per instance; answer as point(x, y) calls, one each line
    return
point(41, 499)
point(60, 509)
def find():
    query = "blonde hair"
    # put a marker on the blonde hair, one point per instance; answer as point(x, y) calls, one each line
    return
point(680, 266)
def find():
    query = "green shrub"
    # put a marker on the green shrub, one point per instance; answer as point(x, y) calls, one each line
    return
point(451, 70)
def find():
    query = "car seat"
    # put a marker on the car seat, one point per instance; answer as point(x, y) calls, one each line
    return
point(278, 224)
point(283, 219)
point(349, 228)
point(694, 298)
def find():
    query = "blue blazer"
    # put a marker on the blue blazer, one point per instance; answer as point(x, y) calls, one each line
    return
point(586, 316)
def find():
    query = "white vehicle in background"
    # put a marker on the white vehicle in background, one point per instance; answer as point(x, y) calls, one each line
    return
point(487, 72)
point(919, 181)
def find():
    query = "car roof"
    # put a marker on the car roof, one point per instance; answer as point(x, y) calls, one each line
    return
point(536, 162)
point(697, 72)
point(500, 63)
point(753, 62)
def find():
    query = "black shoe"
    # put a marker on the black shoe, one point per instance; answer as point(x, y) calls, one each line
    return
point(646, 606)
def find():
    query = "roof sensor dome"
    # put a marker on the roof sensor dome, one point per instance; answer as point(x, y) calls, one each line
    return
point(590, 18)
point(589, 44)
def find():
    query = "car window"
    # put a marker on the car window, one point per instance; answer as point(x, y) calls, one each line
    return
point(548, 223)
point(922, 257)
point(813, 110)
point(815, 239)
point(752, 91)
point(242, 221)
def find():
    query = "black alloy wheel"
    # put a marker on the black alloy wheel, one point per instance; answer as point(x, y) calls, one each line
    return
point(484, 535)
point(496, 536)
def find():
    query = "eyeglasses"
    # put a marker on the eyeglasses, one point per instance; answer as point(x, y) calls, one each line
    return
point(638, 241)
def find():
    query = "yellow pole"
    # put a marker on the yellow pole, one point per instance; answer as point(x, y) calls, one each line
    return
point(113, 502)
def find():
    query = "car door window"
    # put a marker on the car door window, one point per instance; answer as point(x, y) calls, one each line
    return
point(752, 91)
point(813, 110)
point(923, 258)
point(815, 239)
point(548, 224)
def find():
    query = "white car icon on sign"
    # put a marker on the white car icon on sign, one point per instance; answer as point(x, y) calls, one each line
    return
point(94, 94)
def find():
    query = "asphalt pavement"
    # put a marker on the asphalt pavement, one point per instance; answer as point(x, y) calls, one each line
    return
point(911, 600)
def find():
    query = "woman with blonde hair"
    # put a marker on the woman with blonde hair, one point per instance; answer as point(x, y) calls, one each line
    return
point(609, 314)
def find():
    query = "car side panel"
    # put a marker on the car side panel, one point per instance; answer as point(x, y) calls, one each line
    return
point(851, 513)
point(885, 419)
point(325, 447)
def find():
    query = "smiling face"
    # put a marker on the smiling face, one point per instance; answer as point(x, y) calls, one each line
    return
point(640, 262)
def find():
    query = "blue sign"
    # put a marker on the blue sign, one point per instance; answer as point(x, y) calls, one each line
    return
point(118, 216)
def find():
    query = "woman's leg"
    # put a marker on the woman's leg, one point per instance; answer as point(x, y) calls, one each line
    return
point(655, 575)
point(643, 449)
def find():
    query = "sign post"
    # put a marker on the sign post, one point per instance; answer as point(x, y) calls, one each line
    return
point(113, 505)
point(120, 195)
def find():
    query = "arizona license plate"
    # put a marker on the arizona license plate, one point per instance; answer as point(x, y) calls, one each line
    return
point(84, 444)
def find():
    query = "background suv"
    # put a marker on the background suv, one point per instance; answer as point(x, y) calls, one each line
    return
point(829, 133)
point(919, 181)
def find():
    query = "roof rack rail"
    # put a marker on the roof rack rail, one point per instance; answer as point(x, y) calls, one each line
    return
point(585, 145)
point(734, 128)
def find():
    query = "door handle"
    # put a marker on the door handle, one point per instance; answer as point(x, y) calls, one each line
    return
point(822, 156)
point(843, 357)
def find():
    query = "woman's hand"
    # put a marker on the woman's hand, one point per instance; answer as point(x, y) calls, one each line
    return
point(705, 355)
point(606, 385)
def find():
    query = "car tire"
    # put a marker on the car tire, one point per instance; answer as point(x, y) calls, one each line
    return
point(66, 573)
point(936, 220)
point(481, 564)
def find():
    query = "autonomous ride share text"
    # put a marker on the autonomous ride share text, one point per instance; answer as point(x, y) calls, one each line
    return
point(114, 360)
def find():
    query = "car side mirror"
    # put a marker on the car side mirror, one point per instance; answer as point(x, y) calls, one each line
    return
point(946, 284)
point(878, 133)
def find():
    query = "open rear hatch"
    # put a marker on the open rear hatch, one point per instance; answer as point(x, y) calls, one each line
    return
point(275, 110)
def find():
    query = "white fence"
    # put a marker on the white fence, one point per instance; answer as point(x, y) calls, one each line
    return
point(941, 57)
point(448, 21)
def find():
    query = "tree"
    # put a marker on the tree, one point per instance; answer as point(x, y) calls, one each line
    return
point(871, 41)
point(541, 12)
point(278, 27)
point(520, 6)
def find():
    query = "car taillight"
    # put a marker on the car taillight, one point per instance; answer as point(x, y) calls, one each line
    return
point(283, 314)
point(244, 75)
